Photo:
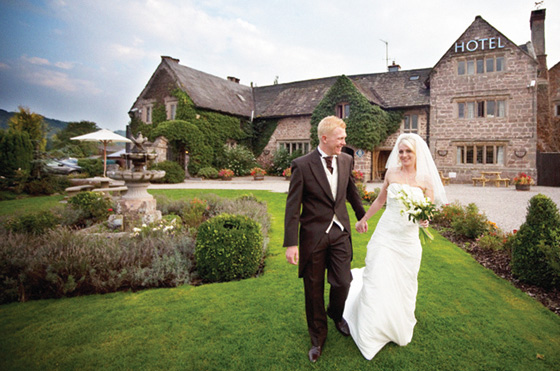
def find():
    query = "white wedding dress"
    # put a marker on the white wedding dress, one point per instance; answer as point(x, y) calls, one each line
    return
point(382, 298)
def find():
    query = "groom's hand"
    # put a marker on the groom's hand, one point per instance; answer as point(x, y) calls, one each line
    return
point(361, 226)
point(292, 255)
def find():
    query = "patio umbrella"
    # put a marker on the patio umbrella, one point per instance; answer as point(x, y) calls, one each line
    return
point(104, 136)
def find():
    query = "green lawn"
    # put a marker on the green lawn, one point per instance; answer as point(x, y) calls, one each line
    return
point(468, 319)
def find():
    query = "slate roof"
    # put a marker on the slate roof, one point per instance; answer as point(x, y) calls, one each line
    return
point(212, 92)
point(390, 90)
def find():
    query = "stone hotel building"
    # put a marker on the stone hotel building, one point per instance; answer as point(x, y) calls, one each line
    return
point(487, 105)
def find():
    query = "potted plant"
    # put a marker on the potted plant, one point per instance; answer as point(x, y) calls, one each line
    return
point(258, 173)
point(225, 174)
point(358, 175)
point(287, 173)
point(523, 182)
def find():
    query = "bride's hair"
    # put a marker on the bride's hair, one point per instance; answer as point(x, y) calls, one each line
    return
point(426, 169)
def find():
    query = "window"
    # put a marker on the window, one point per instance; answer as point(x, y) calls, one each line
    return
point(411, 124)
point(481, 65)
point(481, 108)
point(172, 111)
point(343, 110)
point(292, 147)
point(557, 110)
point(148, 114)
point(480, 153)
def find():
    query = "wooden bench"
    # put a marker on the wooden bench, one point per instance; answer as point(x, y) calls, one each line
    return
point(72, 191)
point(444, 179)
point(498, 181)
point(482, 180)
point(111, 191)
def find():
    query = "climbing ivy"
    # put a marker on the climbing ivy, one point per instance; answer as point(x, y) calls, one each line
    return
point(367, 126)
point(186, 136)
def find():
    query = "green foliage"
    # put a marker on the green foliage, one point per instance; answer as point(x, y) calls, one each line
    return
point(491, 241)
point(74, 148)
point(89, 207)
point(34, 223)
point(16, 151)
point(367, 196)
point(367, 126)
point(470, 223)
point(47, 185)
point(174, 173)
point(536, 247)
point(186, 136)
point(195, 212)
point(64, 263)
point(228, 247)
point(281, 160)
point(92, 166)
point(239, 159)
point(159, 114)
point(258, 134)
point(208, 173)
point(31, 123)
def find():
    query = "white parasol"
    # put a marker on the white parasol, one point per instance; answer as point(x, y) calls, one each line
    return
point(104, 136)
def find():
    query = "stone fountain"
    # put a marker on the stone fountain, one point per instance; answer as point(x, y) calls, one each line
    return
point(137, 204)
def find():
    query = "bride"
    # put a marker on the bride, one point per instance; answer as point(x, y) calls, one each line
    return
point(382, 298)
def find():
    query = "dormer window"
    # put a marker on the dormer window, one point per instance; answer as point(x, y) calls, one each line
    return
point(343, 110)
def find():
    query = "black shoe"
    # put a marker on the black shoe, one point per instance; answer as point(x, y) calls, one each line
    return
point(314, 353)
point(342, 327)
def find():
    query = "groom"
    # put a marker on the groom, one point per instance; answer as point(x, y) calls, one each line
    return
point(320, 184)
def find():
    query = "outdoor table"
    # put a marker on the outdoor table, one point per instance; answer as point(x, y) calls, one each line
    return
point(494, 176)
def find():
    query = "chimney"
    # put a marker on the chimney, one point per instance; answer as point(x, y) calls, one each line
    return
point(394, 67)
point(165, 57)
point(234, 79)
point(537, 39)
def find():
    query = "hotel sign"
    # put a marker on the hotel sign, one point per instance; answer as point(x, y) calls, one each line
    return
point(476, 44)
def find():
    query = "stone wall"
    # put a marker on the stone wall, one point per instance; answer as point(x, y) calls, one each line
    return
point(516, 131)
point(293, 129)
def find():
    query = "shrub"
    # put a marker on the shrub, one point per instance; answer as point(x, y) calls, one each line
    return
point(366, 196)
point(208, 173)
point(65, 263)
point(469, 223)
point(87, 208)
point(282, 159)
point(47, 185)
point(536, 247)
point(195, 212)
point(444, 216)
point(174, 173)
point(228, 247)
point(239, 159)
point(491, 242)
point(94, 167)
point(34, 223)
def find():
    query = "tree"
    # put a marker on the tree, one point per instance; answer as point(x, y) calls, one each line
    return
point(17, 152)
point(31, 123)
point(62, 141)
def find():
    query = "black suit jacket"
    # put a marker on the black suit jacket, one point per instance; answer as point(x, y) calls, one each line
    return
point(310, 206)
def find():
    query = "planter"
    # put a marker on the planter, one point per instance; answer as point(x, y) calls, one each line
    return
point(258, 177)
point(523, 187)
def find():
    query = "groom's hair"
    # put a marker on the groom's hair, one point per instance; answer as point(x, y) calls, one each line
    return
point(328, 124)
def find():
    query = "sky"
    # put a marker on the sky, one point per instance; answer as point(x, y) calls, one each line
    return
point(75, 60)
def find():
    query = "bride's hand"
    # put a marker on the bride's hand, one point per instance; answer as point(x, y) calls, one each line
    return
point(424, 223)
point(361, 226)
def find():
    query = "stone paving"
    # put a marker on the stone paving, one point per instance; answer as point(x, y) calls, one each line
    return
point(504, 206)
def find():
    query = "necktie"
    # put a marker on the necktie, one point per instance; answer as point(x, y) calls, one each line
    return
point(328, 159)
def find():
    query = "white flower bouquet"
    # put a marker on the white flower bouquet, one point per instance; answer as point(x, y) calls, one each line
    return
point(417, 208)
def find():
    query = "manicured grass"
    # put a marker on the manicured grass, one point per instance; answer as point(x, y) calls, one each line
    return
point(468, 319)
point(30, 204)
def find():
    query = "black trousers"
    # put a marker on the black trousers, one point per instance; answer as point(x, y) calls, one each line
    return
point(333, 254)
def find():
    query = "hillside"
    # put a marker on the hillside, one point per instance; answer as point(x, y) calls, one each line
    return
point(53, 125)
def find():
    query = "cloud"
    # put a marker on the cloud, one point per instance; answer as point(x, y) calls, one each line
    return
point(36, 60)
point(4, 66)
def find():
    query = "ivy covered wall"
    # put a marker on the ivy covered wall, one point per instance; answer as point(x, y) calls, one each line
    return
point(367, 126)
